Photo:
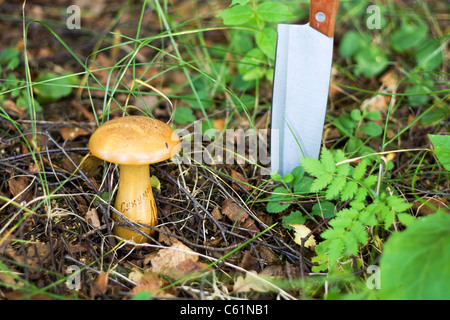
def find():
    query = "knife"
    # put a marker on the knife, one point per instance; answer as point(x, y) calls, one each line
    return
point(300, 88)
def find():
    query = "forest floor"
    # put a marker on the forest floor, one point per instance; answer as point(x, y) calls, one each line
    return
point(216, 238)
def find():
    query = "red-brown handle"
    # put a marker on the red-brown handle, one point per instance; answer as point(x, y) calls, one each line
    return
point(322, 15)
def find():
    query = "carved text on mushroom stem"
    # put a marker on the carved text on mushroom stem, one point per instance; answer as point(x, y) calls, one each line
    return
point(125, 206)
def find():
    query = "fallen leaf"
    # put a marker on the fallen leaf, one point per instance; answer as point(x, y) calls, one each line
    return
point(149, 282)
point(176, 261)
point(301, 231)
point(17, 185)
point(233, 211)
point(216, 213)
point(11, 106)
point(101, 284)
point(219, 124)
point(71, 133)
point(251, 282)
point(240, 180)
point(92, 218)
point(249, 262)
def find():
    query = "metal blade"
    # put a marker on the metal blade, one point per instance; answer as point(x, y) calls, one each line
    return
point(300, 93)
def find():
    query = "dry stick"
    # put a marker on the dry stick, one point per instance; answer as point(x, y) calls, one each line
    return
point(222, 231)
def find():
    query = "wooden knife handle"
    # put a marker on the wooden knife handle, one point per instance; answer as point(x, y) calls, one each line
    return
point(322, 15)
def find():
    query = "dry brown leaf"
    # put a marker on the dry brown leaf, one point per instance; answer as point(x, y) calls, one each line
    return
point(176, 261)
point(17, 185)
point(251, 282)
point(71, 133)
point(390, 80)
point(12, 107)
point(232, 210)
point(101, 284)
point(219, 124)
point(92, 218)
point(148, 281)
point(21, 294)
point(216, 213)
point(249, 262)
point(240, 180)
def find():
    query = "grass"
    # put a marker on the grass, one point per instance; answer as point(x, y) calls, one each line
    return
point(51, 189)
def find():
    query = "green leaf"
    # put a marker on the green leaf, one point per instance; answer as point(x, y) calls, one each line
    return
point(370, 61)
point(295, 217)
point(322, 261)
point(356, 115)
point(184, 115)
point(408, 36)
point(273, 12)
point(370, 181)
point(345, 124)
point(349, 190)
point(288, 178)
point(360, 170)
point(324, 209)
point(24, 102)
point(406, 219)
point(327, 159)
point(277, 200)
point(350, 43)
point(55, 86)
point(321, 183)
point(298, 173)
point(236, 15)
point(304, 186)
point(415, 263)
point(335, 187)
point(10, 58)
point(372, 129)
point(275, 176)
point(368, 216)
point(435, 116)
point(398, 204)
point(335, 249)
point(350, 243)
point(266, 41)
point(418, 95)
point(374, 115)
point(429, 54)
point(313, 166)
point(441, 146)
point(250, 66)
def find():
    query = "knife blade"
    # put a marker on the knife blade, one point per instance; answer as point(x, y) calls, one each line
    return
point(300, 88)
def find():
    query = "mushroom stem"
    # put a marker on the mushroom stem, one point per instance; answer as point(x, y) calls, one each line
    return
point(135, 201)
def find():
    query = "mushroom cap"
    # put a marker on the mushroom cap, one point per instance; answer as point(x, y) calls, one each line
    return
point(134, 140)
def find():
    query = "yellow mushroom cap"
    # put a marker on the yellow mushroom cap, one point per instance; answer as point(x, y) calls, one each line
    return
point(134, 140)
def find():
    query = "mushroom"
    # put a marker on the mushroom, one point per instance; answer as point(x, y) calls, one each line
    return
point(134, 142)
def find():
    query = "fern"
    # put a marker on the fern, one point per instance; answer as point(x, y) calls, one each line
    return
point(354, 188)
